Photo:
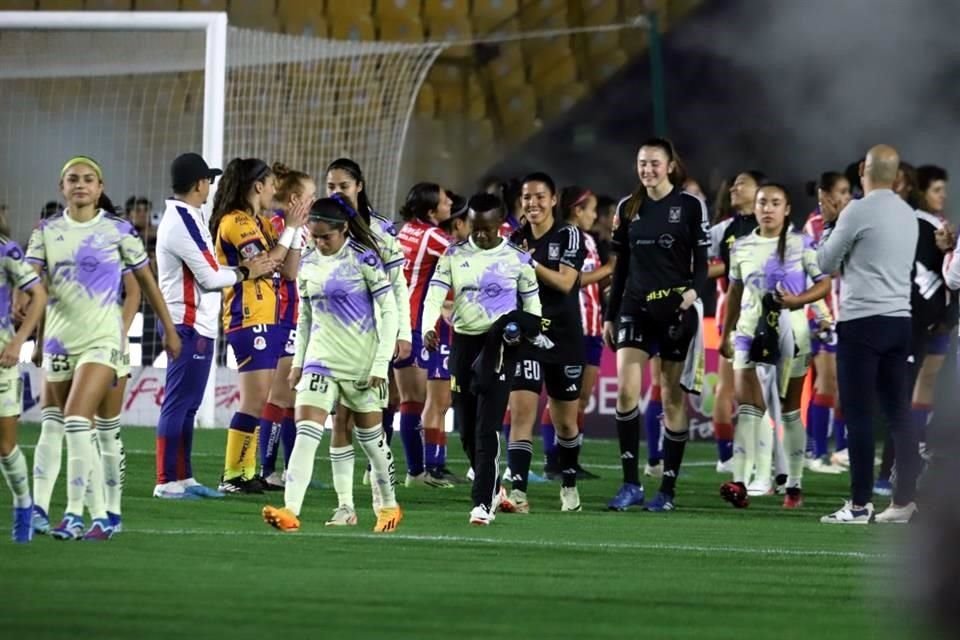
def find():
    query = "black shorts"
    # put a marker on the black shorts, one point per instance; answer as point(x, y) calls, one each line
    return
point(563, 381)
point(670, 340)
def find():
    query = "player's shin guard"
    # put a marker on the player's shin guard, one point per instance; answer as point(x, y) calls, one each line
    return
point(14, 469)
point(674, 444)
point(628, 433)
point(568, 457)
point(411, 435)
point(297, 477)
point(79, 461)
point(342, 463)
point(241, 453)
point(793, 443)
point(519, 456)
point(47, 456)
point(374, 445)
point(114, 461)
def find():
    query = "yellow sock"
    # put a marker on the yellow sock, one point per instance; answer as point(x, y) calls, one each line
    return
point(241, 447)
point(248, 461)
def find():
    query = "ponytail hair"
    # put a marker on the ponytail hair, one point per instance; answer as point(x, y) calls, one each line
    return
point(570, 198)
point(677, 176)
point(238, 178)
point(422, 198)
point(337, 212)
point(289, 182)
point(4, 223)
point(364, 207)
point(785, 231)
point(105, 203)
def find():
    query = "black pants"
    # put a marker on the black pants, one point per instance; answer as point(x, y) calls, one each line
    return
point(478, 417)
point(872, 368)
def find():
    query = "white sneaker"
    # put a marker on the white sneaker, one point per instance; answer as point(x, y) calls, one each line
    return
point(897, 515)
point(170, 491)
point(760, 487)
point(275, 479)
point(482, 517)
point(470, 475)
point(816, 465)
point(653, 471)
point(840, 459)
point(507, 477)
point(343, 516)
point(848, 515)
point(515, 502)
point(569, 499)
point(725, 466)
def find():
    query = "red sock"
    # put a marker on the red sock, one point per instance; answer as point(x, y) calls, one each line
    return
point(723, 431)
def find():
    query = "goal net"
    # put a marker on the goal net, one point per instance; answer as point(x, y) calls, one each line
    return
point(133, 97)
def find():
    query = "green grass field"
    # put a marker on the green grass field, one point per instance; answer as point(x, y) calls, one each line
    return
point(212, 569)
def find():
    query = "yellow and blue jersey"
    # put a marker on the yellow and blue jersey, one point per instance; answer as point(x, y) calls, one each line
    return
point(242, 236)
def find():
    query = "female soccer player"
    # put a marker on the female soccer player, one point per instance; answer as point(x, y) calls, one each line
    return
point(83, 333)
point(723, 234)
point(558, 254)
point(489, 278)
point(661, 241)
point(346, 336)
point(241, 231)
point(769, 269)
point(15, 275)
point(294, 189)
point(423, 378)
point(833, 194)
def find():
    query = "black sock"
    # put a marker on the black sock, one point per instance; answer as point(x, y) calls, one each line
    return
point(628, 432)
point(568, 457)
point(519, 455)
point(674, 442)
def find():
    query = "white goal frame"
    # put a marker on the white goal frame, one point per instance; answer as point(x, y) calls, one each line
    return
point(214, 24)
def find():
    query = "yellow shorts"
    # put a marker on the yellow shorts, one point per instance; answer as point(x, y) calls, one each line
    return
point(11, 392)
point(315, 390)
point(60, 368)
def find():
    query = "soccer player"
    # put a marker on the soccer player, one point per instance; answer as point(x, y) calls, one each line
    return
point(769, 270)
point(15, 275)
point(489, 278)
point(83, 252)
point(243, 231)
point(346, 336)
point(294, 189)
point(558, 254)
point(741, 222)
point(661, 241)
point(423, 379)
point(833, 194)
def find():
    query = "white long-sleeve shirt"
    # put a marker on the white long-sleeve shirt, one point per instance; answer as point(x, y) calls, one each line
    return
point(189, 275)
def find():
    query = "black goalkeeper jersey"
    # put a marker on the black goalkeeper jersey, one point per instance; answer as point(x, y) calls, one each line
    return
point(932, 303)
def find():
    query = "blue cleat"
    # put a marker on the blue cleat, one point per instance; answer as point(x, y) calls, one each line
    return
point(22, 524)
point(201, 491)
point(99, 531)
point(883, 487)
point(661, 502)
point(70, 528)
point(116, 525)
point(629, 495)
point(40, 521)
point(535, 478)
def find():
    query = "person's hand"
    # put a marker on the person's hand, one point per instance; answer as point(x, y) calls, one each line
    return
point(689, 297)
point(786, 299)
point(171, 343)
point(375, 382)
point(296, 215)
point(260, 265)
point(726, 346)
point(431, 340)
point(37, 356)
point(946, 237)
point(11, 353)
point(402, 352)
point(609, 332)
point(20, 303)
point(294, 376)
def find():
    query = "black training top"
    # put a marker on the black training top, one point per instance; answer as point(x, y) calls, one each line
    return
point(740, 225)
point(931, 301)
point(562, 244)
point(663, 247)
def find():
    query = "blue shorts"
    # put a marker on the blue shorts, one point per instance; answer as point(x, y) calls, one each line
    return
point(257, 347)
point(285, 335)
point(410, 361)
point(818, 346)
point(435, 363)
point(593, 347)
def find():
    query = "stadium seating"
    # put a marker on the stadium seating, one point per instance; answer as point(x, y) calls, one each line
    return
point(401, 28)
point(302, 17)
point(253, 14)
point(351, 27)
point(451, 27)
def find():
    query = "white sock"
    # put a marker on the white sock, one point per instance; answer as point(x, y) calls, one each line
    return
point(779, 452)
point(342, 461)
point(95, 498)
point(795, 443)
point(79, 461)
point(745, 441)
point(114, 461)
point(47, 456)
point(764, 440)
point(14, 468)
point(298, 475)
point(374, 445)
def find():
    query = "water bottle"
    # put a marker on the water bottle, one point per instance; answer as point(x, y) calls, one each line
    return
point(511, 333)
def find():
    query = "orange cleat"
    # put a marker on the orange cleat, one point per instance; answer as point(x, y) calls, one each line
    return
point(388, 518)
point(282, 519)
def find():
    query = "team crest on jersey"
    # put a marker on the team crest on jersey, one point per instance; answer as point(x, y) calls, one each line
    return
point(674, 215)
point(259, 343)
point(553, 251)
point(666, 241)
point(249, 250)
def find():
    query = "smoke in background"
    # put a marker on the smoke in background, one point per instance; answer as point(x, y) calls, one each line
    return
point(823, 80)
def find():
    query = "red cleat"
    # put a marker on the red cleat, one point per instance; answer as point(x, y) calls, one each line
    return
point(736, 494)
point(793, 499)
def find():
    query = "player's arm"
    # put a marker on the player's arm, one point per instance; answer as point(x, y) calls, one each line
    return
point(291, 262)
point(821, 281)
point(717, 268)
point(191, 247)
point(571, 261)
point(838, 240)
point(598, 275)
point(440, 286)
point(529, 290)
point(393, 263)
point(387, 319)
point(30, 284)
point(304, 324)
point(734, 298)
point(131, 303)
point(700, 227)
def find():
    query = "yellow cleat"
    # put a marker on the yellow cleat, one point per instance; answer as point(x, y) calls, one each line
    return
point(282, 519)
point(388, 518)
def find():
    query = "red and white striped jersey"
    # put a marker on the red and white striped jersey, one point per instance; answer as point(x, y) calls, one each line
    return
point(422, 244)
point(814, 228)
point(590, 310)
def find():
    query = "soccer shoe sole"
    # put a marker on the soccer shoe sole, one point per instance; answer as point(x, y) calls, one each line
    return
point(273, 517)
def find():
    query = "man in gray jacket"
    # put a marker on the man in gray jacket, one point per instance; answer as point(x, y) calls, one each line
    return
point(872, 243)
